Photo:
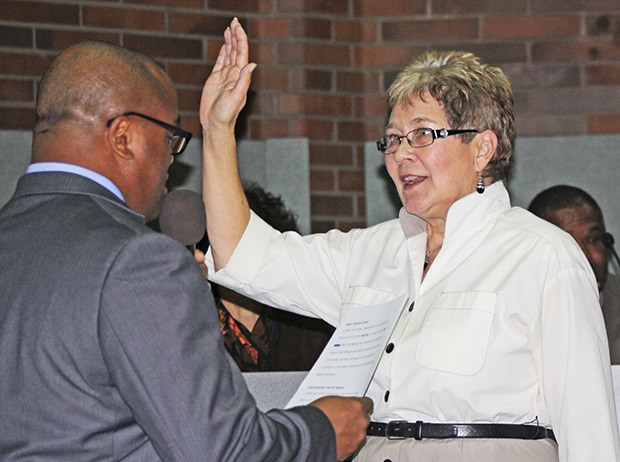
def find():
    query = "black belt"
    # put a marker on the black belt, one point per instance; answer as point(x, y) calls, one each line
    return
point(400, 429)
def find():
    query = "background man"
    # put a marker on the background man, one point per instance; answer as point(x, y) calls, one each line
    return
point(109, 339)
point(576, 212)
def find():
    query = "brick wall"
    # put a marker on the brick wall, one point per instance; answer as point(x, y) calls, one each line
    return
point(324, 65)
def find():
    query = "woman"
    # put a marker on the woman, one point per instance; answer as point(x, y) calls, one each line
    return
point(501, 350)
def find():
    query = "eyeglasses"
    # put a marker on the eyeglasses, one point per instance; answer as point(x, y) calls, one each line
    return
point(177, 143)
point(417, 138)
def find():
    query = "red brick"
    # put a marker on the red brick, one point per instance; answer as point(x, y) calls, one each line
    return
point(268, 128)
point(294, 104)
point(351, 180)
point(39, 12)
point(312, 79)
point(196, 4)
point(536, 124)
point(493, 52)
point(315, 6)
point(322, 180)
point(270, 78)
point(59, 40)
point(603, 123)
point(578, 51)
point(356, 31)
point(165, 47)
point(201, 24)
point(459, 7)
point(603, 25)
point(357, 82)
point(383, 56)
point(530, 26)
point(603, 75)
point(261, 28)
point(573, 5)
point(14, 118)
point(191, 123)
point(542, 76)
point(17, 90)
point(574, 100)
point(263, 54)
point(312, 28)
point(360, 206)
point(17, 37)
point(316, 129)
point(123, 18)
point(370, 8)
point(246, 6)
point(330, 155)
point(346, 225)
point(24, 64)
point(323, 54)
point(331, 205)
point(322, 226)
point(375, 106)
point(213, 49)
point(262, 102)
point(358, 131)
point(189, 100)
point(435, 30)
point(192, 74)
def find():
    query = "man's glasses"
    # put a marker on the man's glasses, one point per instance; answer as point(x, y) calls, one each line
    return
point(417, 138)
point(177, 143)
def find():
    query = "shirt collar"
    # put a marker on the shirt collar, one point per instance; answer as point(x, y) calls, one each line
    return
point(77, 170)
point(472, 208)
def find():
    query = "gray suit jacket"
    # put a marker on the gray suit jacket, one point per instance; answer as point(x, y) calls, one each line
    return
point(110, 347)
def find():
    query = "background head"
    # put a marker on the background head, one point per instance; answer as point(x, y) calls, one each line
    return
point(90, 84)
point(576, 212)
point(473, 95)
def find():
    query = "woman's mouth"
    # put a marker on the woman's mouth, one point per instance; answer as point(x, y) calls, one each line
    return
point(412, 180)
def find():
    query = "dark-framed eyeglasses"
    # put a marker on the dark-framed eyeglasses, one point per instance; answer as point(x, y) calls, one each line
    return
point(177, 142)
point(417, 138)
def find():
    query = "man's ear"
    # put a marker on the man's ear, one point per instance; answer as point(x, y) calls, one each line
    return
point(486, 146)
point(120, 136)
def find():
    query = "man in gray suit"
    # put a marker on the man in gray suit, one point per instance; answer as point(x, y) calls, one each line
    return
point(110, 346)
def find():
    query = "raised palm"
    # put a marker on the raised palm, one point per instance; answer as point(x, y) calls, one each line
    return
point(225, 91)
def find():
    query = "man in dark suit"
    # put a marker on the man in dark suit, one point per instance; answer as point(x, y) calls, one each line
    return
point(109, 339)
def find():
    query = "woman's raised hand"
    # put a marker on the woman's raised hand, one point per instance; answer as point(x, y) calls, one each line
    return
point(225, 91)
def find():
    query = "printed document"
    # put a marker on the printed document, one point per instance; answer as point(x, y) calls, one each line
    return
point(349, 360)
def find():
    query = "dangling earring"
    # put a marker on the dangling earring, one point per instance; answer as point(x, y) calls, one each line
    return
point(480, 184)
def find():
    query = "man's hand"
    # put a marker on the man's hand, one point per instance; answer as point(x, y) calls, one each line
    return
point(199, 256)
point(225, 91)
point(350, 418)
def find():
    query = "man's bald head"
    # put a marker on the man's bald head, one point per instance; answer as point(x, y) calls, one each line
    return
point(93, 81)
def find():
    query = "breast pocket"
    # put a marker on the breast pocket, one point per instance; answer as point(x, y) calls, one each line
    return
point(455, 336)
point(357, 296)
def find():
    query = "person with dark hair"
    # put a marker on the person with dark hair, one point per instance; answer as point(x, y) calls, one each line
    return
point(499, 353)
point(576, 212)
point(103, 352)
point(258, 337)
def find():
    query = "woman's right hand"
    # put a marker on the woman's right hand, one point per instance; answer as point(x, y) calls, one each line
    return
point(225, 92)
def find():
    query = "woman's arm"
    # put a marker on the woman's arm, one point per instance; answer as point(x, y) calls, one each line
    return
point(223, 97)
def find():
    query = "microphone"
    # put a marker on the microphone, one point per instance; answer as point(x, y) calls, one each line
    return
point(183, 217)
point(608, 240)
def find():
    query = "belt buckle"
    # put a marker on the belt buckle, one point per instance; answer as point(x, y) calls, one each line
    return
point(395, 430)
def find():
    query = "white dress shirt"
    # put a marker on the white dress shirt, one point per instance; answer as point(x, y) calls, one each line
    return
point(506, 326)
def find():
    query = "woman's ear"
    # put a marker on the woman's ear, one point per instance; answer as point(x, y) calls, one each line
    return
point(486, 146)
point(120, 137)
